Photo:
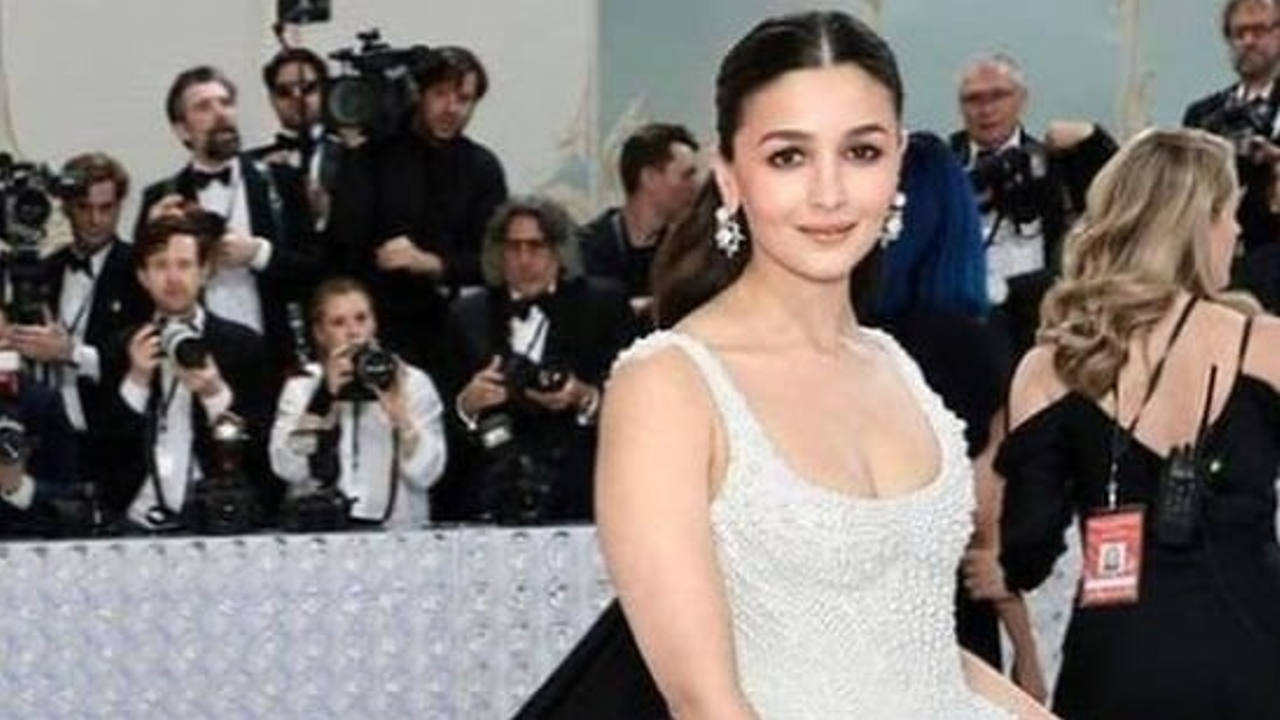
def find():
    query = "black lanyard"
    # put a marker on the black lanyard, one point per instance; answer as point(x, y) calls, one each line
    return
point(1120, 441)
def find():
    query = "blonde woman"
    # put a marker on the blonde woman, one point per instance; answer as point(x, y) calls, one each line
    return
point(1149, 410)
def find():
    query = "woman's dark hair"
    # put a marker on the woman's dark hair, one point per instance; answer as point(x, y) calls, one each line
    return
point(688, 269)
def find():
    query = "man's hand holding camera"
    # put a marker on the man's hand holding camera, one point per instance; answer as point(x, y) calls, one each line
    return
point(574, 394)
point(490, 388)
point(145, 353)
point(486, 389)
point(48, 343)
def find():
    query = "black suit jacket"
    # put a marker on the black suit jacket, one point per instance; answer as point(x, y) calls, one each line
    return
point(278, 211)
point(590, 323)
point(239, 354)
point(1258, 225)
point(118, 302)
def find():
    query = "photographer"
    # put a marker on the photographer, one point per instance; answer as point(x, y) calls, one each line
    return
point(296, 79)
point(1028, 190)
point(186, 369)
point(37, 458)
point(266, 258)
point(659, 171)
point(534, 350)
point(361, 420)
point(94, 295)
point(1245, 113)
point(436, 189)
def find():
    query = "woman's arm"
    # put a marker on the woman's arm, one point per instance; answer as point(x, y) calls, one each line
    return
point(659, 458)
point(984, 578)
point(1027, 673)
point(999, 691)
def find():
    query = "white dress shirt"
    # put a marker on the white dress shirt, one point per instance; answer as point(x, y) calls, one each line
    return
point(74, 305)
point(176, 468)
point(232, 293)
point(365, 448)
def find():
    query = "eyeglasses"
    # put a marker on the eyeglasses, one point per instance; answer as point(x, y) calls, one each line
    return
point(295, 89)
point(516, 246)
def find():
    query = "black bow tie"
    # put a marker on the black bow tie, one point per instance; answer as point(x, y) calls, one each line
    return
point(521, 308)
point(301, 143)
point(79, 263)
point(201, 179)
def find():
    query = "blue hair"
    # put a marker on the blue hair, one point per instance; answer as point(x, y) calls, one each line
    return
point(938, 261)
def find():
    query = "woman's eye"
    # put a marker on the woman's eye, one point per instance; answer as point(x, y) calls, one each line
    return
point(864, 153)
point(786, 157)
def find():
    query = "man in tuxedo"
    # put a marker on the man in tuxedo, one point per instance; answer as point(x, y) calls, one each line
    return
point(1246, 113)
point(436, 190)
point(659, 171)
point(169, 403)
point(94, 295)
point(1023, 223)
point(268, 258)
point(533, 351)
point(296, 80)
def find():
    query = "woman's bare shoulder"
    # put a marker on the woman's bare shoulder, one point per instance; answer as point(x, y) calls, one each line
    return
point(1036, 384)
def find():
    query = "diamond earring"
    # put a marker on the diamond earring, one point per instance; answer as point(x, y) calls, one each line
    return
point(729, 237)
point(893, 221)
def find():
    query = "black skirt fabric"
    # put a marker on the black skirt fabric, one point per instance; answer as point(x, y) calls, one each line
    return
point(603, 678)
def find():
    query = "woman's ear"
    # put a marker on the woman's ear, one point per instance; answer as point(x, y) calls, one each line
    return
point(730, 196)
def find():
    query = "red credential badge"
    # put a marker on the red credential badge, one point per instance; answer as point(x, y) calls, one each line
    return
point(1112, 557)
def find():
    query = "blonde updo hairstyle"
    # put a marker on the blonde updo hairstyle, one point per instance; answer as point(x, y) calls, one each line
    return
point(1142, 239)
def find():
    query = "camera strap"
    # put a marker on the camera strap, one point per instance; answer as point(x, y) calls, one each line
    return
point(161, 514)
point(393, 477)
point(1121, 435)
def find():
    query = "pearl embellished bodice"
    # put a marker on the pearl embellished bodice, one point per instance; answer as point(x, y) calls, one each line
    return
point(842, 606)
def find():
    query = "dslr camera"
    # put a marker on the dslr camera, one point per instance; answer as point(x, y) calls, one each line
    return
point(223, 501)
point(376, 90)
point(1242, 122)
point(26, 192)
point(183, 344)
point(373, 370)
point(1012, 180)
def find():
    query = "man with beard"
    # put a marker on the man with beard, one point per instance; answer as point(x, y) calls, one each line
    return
point(1246, 113)
point(266, 259)
point(296, 79)
point(436, 190)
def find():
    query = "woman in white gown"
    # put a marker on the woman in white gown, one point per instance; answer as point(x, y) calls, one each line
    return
point(782, 501)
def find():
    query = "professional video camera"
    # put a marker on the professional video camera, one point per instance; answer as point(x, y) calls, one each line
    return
point(1242, 123)
point(26, 190)
point(224, 503)
point(1011, 182)
point(376, 92)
